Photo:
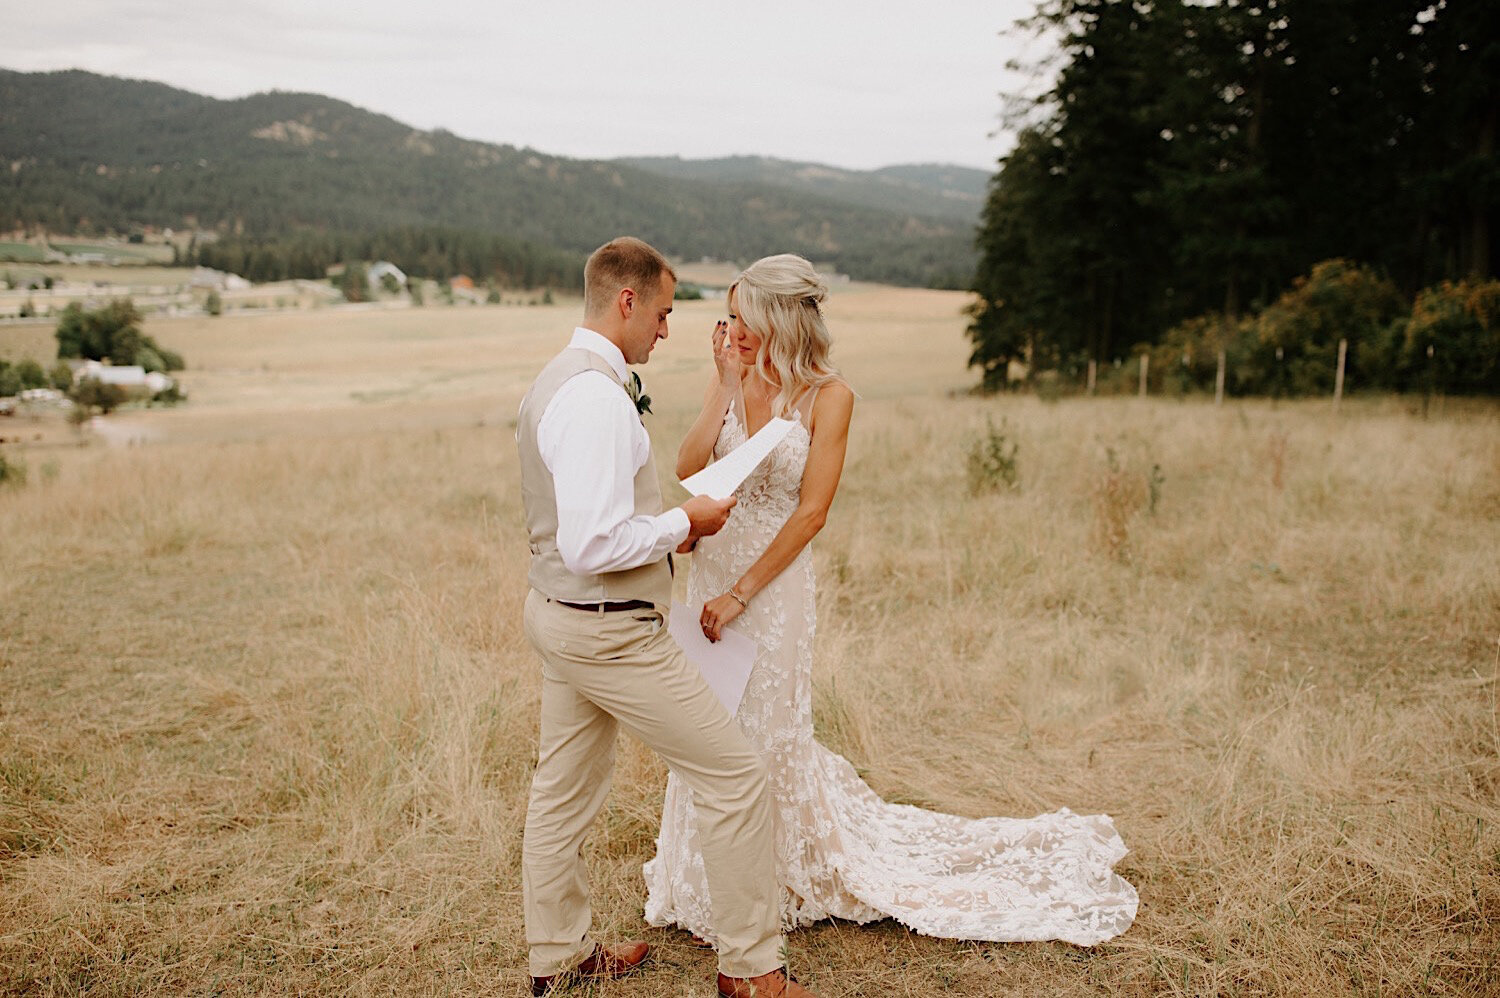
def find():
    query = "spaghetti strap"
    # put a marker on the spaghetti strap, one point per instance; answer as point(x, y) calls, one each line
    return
point(810, 398)
point(804, 406)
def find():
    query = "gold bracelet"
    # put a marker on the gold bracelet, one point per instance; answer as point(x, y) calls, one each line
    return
point(744, 603)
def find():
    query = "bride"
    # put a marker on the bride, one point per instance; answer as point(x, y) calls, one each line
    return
point(841, 850)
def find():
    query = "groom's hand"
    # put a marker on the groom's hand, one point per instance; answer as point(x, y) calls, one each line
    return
point(706, 515)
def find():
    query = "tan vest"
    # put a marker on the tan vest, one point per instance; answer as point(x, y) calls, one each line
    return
point(548, 575)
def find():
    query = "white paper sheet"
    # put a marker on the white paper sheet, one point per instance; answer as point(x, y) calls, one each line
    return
point(721, 478)
point(725, 664)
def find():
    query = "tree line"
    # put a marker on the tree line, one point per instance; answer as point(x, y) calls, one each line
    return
point(430, 252)
point(1192, 161)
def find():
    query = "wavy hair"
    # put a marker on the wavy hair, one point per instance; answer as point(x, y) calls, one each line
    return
point(780, 299)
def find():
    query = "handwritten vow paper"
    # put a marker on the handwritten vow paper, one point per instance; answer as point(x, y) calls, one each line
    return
point(721, 478)
point(725, 664)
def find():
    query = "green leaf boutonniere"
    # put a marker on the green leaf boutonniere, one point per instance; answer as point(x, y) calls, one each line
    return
point(637, 394)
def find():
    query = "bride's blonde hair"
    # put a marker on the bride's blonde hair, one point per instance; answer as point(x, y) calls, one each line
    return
point(780, 299)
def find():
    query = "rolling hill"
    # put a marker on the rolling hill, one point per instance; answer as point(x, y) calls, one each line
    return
point(940, 191)
point(90, 154)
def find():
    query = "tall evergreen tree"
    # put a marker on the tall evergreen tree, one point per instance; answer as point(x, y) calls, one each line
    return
point(1196, 157)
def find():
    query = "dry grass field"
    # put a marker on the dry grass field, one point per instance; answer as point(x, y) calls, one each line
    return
point(267, 716)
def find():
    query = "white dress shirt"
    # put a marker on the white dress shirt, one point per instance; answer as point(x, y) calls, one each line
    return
point(591, 439)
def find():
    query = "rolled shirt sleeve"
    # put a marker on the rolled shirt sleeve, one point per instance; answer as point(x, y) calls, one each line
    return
point(592, 442)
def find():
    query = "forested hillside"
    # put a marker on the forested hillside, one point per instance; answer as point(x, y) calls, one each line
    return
point(94, 154)
point(954, 192)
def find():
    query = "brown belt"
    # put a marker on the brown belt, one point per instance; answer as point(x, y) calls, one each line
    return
point(634, 604)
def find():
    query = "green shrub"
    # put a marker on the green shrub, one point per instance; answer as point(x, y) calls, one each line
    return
point(1187, 359)
point(169, 396)
point(992, 460)
point(149, 359)
point(61, 376)
point(1337, 300)
point(1451, 343)
point(12, 471)
point(31, 374)
point(91, 393)
point(355, 284)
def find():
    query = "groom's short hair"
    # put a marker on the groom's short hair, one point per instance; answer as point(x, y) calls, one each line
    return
point(622, 263)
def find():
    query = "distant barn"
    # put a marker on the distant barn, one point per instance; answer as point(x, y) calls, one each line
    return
point(135, 380)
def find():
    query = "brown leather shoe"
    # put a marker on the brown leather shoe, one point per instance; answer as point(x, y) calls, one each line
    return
point(605, 961)
point(776, 984)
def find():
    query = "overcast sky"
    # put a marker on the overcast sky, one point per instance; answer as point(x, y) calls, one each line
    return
point(853, 84)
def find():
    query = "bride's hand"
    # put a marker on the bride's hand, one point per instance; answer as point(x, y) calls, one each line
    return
point(716, 613)
point(726, 357)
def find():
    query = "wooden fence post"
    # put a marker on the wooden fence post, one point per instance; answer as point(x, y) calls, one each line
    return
point(1093, 375)
point(1219, 381)
point(1338, 377)
point(1427, 392)
point(1145, 365)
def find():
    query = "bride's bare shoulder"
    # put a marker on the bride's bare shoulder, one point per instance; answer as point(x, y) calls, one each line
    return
point(837, 389)
point(832, 406)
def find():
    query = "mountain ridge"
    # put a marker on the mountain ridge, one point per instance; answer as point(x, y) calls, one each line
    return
point(939, 190)
point(81, 152)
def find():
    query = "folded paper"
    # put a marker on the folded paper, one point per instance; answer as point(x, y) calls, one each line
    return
point(725, 664)
point(721, 478)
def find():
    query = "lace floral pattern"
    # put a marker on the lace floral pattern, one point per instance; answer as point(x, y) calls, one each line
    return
point(841, 850)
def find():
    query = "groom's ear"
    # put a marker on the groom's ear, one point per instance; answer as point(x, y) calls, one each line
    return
point(626, 302)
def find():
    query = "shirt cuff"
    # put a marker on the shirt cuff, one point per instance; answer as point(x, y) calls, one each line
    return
point(675, 523)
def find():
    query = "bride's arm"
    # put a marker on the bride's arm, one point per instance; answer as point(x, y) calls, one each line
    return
point(820, 480)
point(698, 446)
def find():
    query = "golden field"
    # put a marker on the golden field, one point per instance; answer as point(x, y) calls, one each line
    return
point(267, 717)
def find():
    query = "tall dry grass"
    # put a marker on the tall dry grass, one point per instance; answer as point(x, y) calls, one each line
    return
point(267, 717)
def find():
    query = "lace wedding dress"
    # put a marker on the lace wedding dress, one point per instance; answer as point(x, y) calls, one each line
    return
point(841, 850)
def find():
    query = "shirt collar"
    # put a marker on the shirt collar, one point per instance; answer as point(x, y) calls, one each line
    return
point(587, 339)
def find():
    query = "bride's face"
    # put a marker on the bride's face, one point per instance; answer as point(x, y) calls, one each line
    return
point(745, 341)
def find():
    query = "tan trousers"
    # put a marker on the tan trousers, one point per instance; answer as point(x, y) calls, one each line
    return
point(603, 671)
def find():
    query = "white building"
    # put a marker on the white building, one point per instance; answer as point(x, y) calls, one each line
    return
point(380, 268)
point(216, 280)
point(130, 377)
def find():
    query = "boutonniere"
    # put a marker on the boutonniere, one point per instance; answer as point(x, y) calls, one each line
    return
point(637, 394)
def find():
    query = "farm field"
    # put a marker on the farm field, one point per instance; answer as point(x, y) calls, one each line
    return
point(107, 251)
point(267, 716)
point(20, 252)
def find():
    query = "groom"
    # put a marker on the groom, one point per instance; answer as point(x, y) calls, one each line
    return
point(601, 585)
